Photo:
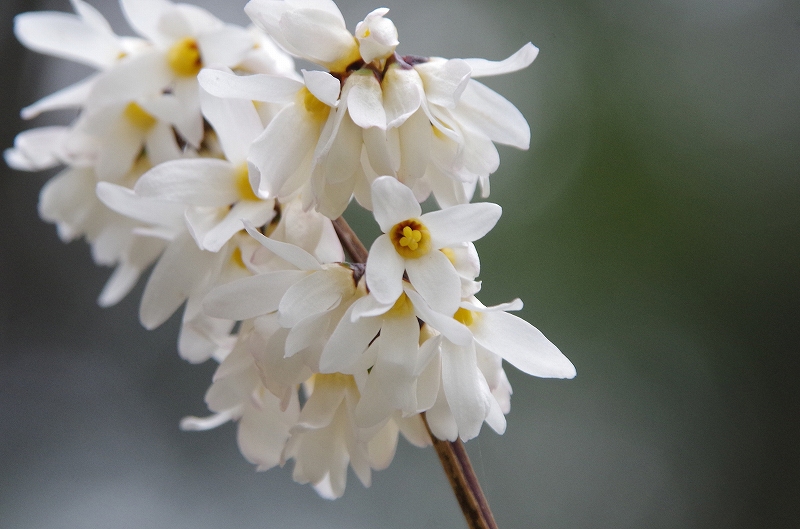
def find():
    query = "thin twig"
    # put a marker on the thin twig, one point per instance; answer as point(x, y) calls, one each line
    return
point(452, 455)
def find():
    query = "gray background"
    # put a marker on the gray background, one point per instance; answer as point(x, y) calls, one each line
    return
point(651, 229)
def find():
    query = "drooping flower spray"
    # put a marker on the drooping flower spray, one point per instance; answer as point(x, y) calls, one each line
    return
point(200, 149)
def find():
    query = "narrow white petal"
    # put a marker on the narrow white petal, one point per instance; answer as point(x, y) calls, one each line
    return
point(317, 35)
point(306, 332)
point(415, 144)
point(288, 252)
point(323, 86)
point(462, 223)
point(444, 81)
point(348, 342)
point(91, 16)
point(226, 46)
point(436, 280)
point(248, 297)
point(393, 202)
point(137, 76)
point(402, 94)
point(198, 181)
point(522, 58)
point(377, 150)
point(319, 292)
point(236, 123)
point(465, 388)
point(281, 148)
point(66, 36)
point(161, 145)
point(144, 15)
point(522, 345)
point(257, 213)
point(72, 96)
point(177, 272)
point(365, 100)
point(487, 111)
point(257, 87)
point(384, 271)
point(145, 209)
point(453, 330)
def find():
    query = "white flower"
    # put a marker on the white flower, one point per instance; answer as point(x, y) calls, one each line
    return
point(464, 388)
point(86, 38)
point(377, 36)
point(311, 29)
point(264, 420)
point(411, 242)
point(218, 194)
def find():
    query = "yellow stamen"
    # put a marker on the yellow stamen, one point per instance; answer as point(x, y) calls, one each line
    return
point(138, 116)
point(465, 316)
point(242, 180)
point(317, 109)
point(411, 238)
point(184, 57)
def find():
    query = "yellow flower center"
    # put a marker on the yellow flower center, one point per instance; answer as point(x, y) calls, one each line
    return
point(411, 238)
point(465, 316)
point(401, 308)
point(243, 183)
point(317, 109)
point(184, 57)
point(138, 116)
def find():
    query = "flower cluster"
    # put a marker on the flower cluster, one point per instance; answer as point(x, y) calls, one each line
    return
point(198, 148)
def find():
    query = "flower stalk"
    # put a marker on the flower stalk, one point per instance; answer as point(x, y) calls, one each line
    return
point(452, 454)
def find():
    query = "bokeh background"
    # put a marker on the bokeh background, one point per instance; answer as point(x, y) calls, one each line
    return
point(652, 229)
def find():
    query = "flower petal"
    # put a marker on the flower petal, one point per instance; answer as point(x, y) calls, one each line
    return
point(248, 297)
point(365, 100)
point(451, 329)
point(288, 252)
point(323, 86)
point(197, 181)
point(68, 37)
point(72, 96)
point(461, 223)
point(384, 271)
point(522, 345)
point(436, 280)
point(392, 202)
point(348, 342)
point(465, 388)
point(319, 292)
point(256, 87)
point(487, 111)
point(281, 148)
point(522, 58)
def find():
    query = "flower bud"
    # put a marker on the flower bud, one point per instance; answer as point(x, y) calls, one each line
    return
point(377, 36)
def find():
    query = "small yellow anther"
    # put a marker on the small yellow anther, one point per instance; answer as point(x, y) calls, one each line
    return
point(184, 57)
point(411, 238)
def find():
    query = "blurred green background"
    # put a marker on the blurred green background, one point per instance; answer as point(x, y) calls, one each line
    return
point(652, 230)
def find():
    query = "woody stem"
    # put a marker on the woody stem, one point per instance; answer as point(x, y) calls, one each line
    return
point(452, 454)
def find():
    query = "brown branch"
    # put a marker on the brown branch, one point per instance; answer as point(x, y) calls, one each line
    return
point(452, 455)
point(350, 241)
point(467, 489)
